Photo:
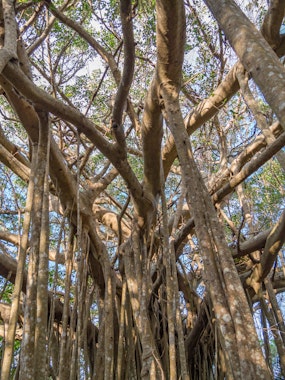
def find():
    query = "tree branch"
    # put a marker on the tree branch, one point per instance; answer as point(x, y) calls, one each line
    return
point(9, 51)
point(272, 22)
point(128, 70)
point(254, 52)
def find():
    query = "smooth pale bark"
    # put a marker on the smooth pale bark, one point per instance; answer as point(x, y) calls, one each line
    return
point(7, 17)
point(254, 52)
point(110, 219)
point(128, 70)
point(272, 22)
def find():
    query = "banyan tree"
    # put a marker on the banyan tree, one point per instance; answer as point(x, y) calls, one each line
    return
point(142, 189)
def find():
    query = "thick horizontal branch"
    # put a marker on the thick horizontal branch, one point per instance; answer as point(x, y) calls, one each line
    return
point(15, 239)
point(254, 244)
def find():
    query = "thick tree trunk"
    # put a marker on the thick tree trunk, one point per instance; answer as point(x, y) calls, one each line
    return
point(254, 52)
point(226, 291)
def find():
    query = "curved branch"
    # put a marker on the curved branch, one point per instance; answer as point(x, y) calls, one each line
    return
point(272, 22)
point(60, 174)
point(107, 57)
point(202, 113)
point(128, 67)
point(218, 180)
point(9, 237)
point(255, 244)
point(9, 51)
point(250, 168)
point(170, 54)
point(110, 219)
point(254, 53)
point(44, 101)
point(209, 107)
point(151, 139)
point(274, 243)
